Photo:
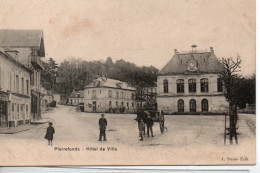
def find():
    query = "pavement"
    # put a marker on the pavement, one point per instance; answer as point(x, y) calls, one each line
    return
point(195, 139)
point(13, 130)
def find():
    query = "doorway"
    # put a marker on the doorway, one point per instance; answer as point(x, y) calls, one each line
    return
point(94, 106)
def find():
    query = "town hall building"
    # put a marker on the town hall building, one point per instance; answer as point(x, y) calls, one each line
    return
point(189, 83)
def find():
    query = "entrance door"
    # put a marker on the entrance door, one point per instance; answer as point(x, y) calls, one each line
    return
point(94, 106)
point(192, 105)
point(3, 112)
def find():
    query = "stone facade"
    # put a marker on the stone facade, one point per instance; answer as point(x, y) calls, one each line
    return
point(30, 46)
point(193, 87)
point(15, 92)
point(108, 95)
point(76, 98)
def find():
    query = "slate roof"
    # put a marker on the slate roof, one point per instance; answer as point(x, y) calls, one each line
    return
point(110, 83)
point(75, 94)
point(22, 39)
point(207, 63)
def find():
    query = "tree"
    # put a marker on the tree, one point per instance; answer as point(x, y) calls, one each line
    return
point(231, 82)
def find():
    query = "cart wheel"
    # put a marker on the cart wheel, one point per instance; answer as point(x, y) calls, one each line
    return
point(162, 127)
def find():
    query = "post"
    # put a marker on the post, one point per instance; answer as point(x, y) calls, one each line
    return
point(225, 130)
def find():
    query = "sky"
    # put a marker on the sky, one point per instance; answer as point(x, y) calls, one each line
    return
point(143, 32)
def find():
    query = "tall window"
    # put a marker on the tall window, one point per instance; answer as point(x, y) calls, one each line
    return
point(165, 86)
point(94, 94)
point(133, 96)
point(204, 105)
point(110, 103)
point(122, 94)
point(18, 111)
point(180, 86)
point(204, 85)
point(23, 85)
point(192, 105)
point(17, 83)
point(192, 85)
point(109, 93)
point(27, 87)
point(117, 94)
point(220, 85)
point(180, 105)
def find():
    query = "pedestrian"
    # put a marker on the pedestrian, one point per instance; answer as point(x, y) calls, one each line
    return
point(149, 126)
point(141, 127)
point(102, 127)
point(49, 133)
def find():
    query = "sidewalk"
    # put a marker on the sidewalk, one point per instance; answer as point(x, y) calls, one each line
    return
point(40, 121)
point(14, 130)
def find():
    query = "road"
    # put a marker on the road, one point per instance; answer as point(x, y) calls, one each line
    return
point(184, 134)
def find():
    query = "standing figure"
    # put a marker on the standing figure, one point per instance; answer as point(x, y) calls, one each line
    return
point(141, 127)
point(102, 127)
point(149, 126)
point(49, 133)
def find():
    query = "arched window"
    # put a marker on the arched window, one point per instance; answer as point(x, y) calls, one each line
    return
point(192, 105)
point(180, 86)
point(180, 105)
point(220, 85)
point(110, 93)
point(204, 85)
point(192, 85)
point(165, 86)
point(204, 105)
point(122, 95)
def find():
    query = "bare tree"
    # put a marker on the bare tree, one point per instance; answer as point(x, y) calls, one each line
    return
point(230, 77)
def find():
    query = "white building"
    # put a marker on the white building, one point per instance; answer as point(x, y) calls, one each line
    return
point(15, 90)
point(76, 97)
point(109, 95)
point(189, 83)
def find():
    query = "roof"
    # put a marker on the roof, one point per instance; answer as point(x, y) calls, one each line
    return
point(207, 62)
point(10, 58)
point(23, 39)
point(110, 83)
point(77, 94)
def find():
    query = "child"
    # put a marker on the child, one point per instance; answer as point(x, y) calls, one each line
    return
point(49, 133)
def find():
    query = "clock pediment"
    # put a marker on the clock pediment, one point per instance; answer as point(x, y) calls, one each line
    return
point(192, 64)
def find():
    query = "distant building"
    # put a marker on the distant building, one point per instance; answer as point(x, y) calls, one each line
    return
point(15, 90)
point(56, 98)
point(30, 45)
point(76, 97)
point(63, 100)
point(189, 83)
point(108, 95)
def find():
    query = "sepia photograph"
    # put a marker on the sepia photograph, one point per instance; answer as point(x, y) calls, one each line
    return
point(86, 83)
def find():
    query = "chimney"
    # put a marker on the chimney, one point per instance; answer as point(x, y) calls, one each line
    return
point(175, 51)
point(211, 50)
point(193, 47)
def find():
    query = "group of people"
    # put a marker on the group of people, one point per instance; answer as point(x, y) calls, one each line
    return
point(142, 121)
point(148, 121)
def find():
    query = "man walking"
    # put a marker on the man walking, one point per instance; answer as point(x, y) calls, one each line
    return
point(102, 127)
point(149, 126)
